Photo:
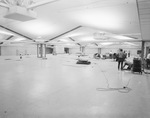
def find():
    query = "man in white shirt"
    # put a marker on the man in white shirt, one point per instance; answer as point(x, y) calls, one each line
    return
point(148, 56)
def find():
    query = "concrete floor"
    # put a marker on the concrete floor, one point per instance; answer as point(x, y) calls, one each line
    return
point(59, 88)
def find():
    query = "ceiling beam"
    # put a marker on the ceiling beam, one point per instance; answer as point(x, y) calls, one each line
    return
point(6, 2)
point(74, 41)
point(4, 5)
point(96, 44)
point(9, 37)
point(71, 39)
point(16, 32)
point(42, 2)
point(64, 33)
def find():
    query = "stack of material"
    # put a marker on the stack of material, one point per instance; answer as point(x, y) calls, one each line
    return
point(137, 65)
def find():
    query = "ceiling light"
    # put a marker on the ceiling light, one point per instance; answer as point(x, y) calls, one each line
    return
point(87, 39)
point(19, 39)
point(128, 43)
point(38, 27)
point(5, 32)
point(106, 43)
point(74, 34)
point(63, 40)
point(122, 37)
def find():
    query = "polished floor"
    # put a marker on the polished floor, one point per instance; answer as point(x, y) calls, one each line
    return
point(59, 88)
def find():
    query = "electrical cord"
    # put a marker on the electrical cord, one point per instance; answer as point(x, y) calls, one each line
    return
point(106, 79)
point(127, 83)
point(124, 89)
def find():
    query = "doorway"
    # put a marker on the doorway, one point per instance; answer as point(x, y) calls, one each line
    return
point(49, 50)
point(66, 50)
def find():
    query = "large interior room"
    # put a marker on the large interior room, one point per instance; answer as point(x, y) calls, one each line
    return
point(74, 58)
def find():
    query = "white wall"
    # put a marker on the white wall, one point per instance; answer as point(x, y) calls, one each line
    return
point(86, 50)
point(8, 51)
point(74, 50)
point(15, 50)
point(59, 49)
point(32, 50)
point(133, 51)
point(107, 50)
point(147, 44)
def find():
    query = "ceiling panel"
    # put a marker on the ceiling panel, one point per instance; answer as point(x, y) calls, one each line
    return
point(112, 16)
point(144, 15)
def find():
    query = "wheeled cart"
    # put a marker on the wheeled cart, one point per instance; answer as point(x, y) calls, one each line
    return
point(86, 62)
point(137, 65)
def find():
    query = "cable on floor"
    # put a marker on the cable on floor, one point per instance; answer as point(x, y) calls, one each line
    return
point(127, 83)
point(124, 89)
point(121, 90)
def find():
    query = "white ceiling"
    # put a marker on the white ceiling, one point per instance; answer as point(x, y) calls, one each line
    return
point(144, 15)
point(84, 21)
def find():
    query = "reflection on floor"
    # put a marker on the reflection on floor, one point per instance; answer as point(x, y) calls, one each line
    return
point(59, 88)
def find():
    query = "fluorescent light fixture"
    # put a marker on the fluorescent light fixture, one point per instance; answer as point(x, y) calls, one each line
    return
point(40, 39)
point(69, 44)
point(5, 32)
point(132, 44)
point(19, 39)
point(91, 45)
point(106, 43)
point(87, 39)
point(74, 34)
point(39, 28)
point(122, 37)
point(64, 40)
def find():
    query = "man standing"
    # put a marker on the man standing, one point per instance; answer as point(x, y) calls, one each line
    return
point(121, 57)
point(148, 59)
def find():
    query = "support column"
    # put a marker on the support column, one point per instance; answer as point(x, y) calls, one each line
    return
point(0, 50)
point(142, 51)
point(82, 49)
point(41, 50)
point(99, 50)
